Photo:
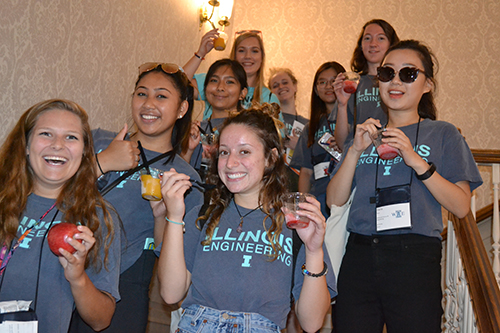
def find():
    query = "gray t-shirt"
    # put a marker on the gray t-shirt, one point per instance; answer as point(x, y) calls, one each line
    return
point(438, 142)
point(135, 212)
point(234, 272)
point(55, 301)
point(309, 157)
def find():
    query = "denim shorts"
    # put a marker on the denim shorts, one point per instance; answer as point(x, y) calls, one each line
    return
point(197, 318)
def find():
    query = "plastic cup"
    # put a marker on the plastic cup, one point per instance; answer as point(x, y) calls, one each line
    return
point(384, 151)
point(351, 82)
point(290, 208)
point(220, 42)
point(151, 184)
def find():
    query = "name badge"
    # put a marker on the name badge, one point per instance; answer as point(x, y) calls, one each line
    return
point(321, 170)
point(393, 207)
point(395, 216)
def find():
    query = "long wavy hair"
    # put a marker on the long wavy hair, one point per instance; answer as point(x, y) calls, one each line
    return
point(318, 106)
point(238, 71)
point(181, 132)
point(260, 73)
point(262, 120)
point(358, 61)
point(79, 198)
point(426, 106)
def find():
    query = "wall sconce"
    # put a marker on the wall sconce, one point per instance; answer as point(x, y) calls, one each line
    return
point(225, 10)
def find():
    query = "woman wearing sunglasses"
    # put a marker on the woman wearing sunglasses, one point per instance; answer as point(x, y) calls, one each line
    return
point(375, 38)
point(161, 111)
point(391, 271)
point(248, 50)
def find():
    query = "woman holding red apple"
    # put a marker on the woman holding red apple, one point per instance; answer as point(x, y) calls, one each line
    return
point(47, 164)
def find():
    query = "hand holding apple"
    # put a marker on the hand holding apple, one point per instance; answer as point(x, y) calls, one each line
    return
point(57, 237)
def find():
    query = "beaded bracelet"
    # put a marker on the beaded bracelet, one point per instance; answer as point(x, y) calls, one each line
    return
point(197, 56)
point(98, 164)
point(178, 223)
point(322, 273)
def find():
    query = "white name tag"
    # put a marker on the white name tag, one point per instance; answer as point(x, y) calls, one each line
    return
point(394, 216)
point(321, 170)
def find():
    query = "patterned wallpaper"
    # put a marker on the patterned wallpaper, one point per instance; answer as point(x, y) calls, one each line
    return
point(89, 50)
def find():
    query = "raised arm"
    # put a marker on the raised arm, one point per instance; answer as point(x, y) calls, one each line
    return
point(339, 187)
point(342, 127)
point(172, 272)
point(455, 197)
point(314, 299)
point(120, 155)
point(206, 45)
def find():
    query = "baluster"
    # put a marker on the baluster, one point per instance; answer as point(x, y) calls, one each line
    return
point(496, 222)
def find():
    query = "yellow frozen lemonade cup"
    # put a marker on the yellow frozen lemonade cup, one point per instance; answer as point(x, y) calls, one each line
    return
point(151, 184)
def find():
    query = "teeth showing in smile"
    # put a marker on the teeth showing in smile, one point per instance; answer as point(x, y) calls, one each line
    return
point(395, 92)
point(149, 117)
point(58, 160)
point(235, 175)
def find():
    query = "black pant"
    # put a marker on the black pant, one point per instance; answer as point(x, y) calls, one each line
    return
point(131, 314)
point(392, 280)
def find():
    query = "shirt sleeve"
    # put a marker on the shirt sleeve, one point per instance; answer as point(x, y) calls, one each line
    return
point(302, 155)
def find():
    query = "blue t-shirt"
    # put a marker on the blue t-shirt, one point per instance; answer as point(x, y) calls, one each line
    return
point(234, 272)
point(55, 301)
point(135, 212)
point(438, 142)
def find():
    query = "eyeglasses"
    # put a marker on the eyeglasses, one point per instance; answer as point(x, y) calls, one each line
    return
point(406, 74)
point(242, 32)
point(167, 68)
point(324, 83)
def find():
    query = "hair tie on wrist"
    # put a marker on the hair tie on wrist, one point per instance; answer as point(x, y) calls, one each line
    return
point(197, 56)
point(322, 273)
point(98, 164)
point(178, 223)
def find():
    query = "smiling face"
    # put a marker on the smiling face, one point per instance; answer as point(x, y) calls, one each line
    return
point(223, 90)
point(399, 96)
point(282, 86)
point(374, 44)
point(324, 86)
point(55, 150)
point(249, 55)
point(156, 105)
point(241, 161)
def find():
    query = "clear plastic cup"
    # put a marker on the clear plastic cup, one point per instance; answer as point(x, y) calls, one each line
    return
point(290, 208)
point(220, 42)
point(384, 151)
point(151, 184)
point(351, 82)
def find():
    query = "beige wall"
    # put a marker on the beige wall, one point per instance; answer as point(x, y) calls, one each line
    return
point(88, 50)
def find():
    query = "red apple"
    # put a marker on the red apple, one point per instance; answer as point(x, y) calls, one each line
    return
point(57, 237)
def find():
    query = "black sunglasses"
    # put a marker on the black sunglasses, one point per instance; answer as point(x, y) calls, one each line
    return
point(406, 74)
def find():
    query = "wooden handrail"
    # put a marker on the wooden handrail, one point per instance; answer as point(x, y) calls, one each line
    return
point(483, 287)
point(486, 155)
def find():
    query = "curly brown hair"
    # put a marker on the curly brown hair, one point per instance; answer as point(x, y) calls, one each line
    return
point(262, 120)
point(79, 198)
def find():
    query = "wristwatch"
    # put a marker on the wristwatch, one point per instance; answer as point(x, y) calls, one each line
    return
point(428, 173)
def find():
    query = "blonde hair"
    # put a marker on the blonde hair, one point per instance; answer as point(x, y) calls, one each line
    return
point(260, 73)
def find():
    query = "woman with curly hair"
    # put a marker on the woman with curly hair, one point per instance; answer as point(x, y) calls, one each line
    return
point(238, 272)
point(47, 168)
